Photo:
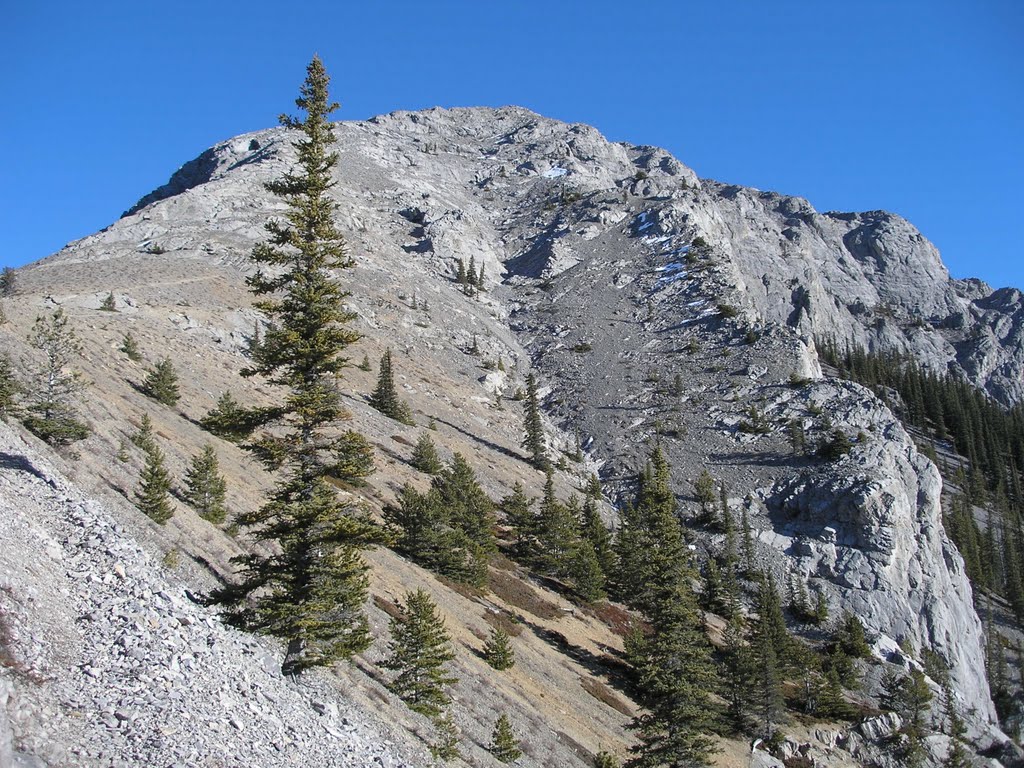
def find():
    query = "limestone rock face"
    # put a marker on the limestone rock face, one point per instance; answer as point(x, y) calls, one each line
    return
point(871, 527)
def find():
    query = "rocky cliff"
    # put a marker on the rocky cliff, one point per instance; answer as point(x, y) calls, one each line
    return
point(653, 305)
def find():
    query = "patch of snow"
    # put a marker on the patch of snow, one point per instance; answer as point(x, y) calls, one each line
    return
point(555, 173)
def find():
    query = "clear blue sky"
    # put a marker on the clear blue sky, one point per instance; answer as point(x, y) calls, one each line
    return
point(915, 106)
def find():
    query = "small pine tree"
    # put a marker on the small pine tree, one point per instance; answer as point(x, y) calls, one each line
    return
point(143, 436)
point(228, 420)
point(8, 282)
point(9, 387)
point(588, 578)
point(365, 364)
point(605, 759)
point(707, 492)
point(53, 386)
point(480, 279)
point(446, 745)
point(498, 650)
point(109, 304)
point(533, 441)
point(131, 347)
point(424, 456)
point(205, 487)
point(419, 650)
point(162, 383)
point(504, 745)
point(460, 273)
point(153, 496)
point(385, 397)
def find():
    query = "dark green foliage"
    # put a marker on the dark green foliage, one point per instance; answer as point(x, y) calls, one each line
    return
point(522, 520)
point(835, 446)
point(418, 652)
point(770, 652)
point(706, 491)
point(851, 638)
point(162, 383)
point(9, 387)
point(605, 759)
point(205, 487)
point(153, 496)
point(144, 437)
point(424, 456)
point(385, 398)
point(910, 697)
point(674, 676)
point(352, 457)
point(8, 281)
point(365, 364)
point(307, 582)
point(449, 529)
point(109, 304)
point(649, 546)
point(797, 436)
point(737, 678)
point(594, 531)
point(533, 441)
point(131, 348)
point(446, 746)
point(504, 745)
point(53, 386)
point(498, 650)
point(228, 420)
point(556, 532)
point(585, 571)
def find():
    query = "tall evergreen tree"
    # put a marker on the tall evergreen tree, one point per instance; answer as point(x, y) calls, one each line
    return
point(53, 385)
point(593, 530)
point(650, 546)
point(153, 496)
point(385, 397)
point(419, 651)
point(533, 441)
point(674, 676)
point(309, 587)
point(522, 520)
point(205, 487)
point(162, 383)
point(9, 387)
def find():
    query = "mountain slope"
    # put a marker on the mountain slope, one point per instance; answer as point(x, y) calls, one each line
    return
point(653, 304)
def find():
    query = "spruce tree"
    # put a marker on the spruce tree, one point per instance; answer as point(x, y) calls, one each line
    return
point(205, 487)
point(585, 571)
point(162, 383)
point(153, 495)
point(424, 456)
point(418, 652)
point(504, 745)
point(707, 492)
point(521, 519)
point(53, 386)
point(498, 650)
point(229, 420)
point(533, 441)
point(385, 397)
point(143, 436)
point(674, 675)
point(109, 304)
point(769, 647)
point(131, 347)
point(9, 387)
point(593, 529)
point(307, 583)
point(557, 532)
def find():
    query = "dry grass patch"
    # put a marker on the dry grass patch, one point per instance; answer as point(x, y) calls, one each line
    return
point(517, 592)
point(504, 621)
point(389, 607)
point(615, 617)
point(606, 695)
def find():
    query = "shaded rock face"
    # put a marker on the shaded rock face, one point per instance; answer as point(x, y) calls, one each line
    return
point(596, 281)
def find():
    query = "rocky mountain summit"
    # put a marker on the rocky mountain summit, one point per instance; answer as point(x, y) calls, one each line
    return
point(653, 306)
